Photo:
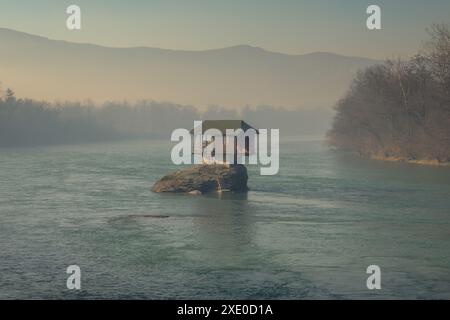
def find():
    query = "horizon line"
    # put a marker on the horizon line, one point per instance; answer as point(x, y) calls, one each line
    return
point(190, 51)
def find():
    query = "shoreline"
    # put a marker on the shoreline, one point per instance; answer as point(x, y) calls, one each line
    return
point(422, 162)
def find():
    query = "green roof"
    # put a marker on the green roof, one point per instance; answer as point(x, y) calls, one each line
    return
point(222, 125)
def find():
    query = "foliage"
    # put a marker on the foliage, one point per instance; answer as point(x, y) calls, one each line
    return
point(400, 109)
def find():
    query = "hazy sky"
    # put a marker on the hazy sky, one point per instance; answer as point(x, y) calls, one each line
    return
point(290, 26)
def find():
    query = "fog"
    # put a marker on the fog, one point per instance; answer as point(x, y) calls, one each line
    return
point(45, 69)
point(26, 122)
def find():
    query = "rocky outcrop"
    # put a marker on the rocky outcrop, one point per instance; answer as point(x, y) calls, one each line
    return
point(204, 178)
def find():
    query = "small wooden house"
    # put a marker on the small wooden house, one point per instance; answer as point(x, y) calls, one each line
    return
point(230, 143)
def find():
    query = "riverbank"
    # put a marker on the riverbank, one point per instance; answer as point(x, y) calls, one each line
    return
point(426, 162)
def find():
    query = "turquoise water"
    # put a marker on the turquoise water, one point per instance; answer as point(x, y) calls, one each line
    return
point(309, 232)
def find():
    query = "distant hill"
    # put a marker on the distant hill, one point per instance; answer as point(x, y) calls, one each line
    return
point(40, 68)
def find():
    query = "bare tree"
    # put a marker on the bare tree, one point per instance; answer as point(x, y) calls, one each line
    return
point(438, 50)
point(400, 108)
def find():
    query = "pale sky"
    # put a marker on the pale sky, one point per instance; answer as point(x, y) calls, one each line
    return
point(289, 26)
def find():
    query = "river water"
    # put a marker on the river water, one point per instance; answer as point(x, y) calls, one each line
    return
point(309, 232)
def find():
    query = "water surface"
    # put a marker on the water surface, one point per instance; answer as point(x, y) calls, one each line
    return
point(310, 232)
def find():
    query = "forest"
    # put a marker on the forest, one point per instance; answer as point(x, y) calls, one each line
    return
point(400, 109)
point(27, 122)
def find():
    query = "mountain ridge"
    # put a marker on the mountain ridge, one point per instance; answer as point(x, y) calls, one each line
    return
point(237, 46)
point(42, 68)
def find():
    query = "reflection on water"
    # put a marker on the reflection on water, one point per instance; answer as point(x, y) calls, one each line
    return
point(309, 232)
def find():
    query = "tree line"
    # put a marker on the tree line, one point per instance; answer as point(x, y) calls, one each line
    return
point(400, 109)
point(27, 122)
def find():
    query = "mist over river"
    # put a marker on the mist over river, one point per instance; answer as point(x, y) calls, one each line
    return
point(309, 232)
